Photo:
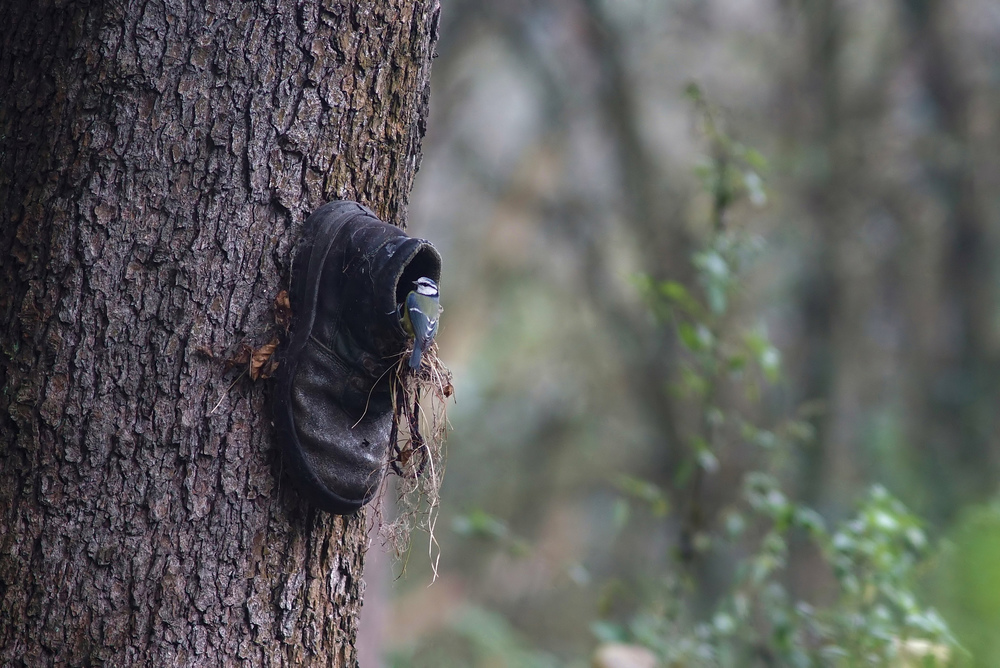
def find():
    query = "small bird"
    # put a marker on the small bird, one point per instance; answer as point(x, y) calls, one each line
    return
point(420, 314)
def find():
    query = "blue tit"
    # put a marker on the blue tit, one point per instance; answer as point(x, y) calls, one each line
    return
point(420, 314)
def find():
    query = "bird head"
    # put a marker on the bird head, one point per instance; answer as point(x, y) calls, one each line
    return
point(426, 287)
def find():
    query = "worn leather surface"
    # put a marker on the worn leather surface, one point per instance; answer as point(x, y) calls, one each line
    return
point(332, 403)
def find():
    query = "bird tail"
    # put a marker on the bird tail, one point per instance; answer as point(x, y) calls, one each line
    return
point(415, 357)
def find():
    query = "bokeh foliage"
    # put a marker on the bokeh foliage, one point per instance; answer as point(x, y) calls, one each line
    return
point(605, 243)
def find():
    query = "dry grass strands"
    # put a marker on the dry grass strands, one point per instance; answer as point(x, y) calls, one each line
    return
point(416, 450)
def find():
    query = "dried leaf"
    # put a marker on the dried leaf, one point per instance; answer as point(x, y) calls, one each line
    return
point(260, 357)
point(241, 357)
point(269, 368)
point(205, 351)
point(283, 310)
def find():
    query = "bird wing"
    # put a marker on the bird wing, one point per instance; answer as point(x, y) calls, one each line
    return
point(422, 324)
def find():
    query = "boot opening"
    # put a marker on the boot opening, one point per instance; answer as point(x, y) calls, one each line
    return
point(426, 262)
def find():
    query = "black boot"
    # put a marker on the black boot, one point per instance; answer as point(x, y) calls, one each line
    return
point(332, 405)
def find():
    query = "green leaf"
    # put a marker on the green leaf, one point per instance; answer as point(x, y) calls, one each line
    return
point(479, 524)
point(621, 513)
point(767, 356)
point(713, 265)
point(735, 524)
point(736, 363)
point(693, 383)
point(608, 632)
point(724, 624)
point(770, 363)
point(684, 472)
point(645, 491)
point(800, 430)
point(674, 290)
point(718, 300)
point(810, 520)
point(756, 341)
point(754, 158)
point(692, 91)
point(708, 461)
point(763, 438)
point(690, 337)
point(679, 296)
point(755, 188)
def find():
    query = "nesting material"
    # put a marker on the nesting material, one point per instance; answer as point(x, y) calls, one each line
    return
point(416, 450)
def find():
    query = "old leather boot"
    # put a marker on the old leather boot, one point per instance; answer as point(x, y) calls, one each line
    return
point(332, 405)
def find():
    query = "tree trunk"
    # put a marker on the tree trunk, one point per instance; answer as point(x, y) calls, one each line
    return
point(156, 161)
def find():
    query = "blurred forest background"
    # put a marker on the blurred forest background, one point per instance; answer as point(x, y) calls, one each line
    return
point(565, 166)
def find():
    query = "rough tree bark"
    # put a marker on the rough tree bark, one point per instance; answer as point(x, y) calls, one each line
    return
point(156, 160)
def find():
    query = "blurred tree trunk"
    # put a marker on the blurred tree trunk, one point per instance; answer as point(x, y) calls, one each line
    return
point(829, 305)
point(958, 369)
point(898, 303)
point(155, 158)
point(838, 120)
